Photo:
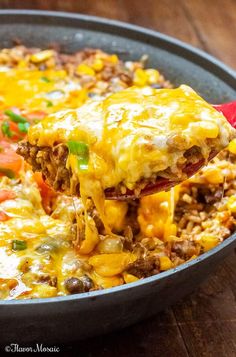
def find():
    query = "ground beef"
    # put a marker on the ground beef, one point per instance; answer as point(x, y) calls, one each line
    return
point(208, 195)
point(48, 279)
point(50, 161)
point(185, 249)
point(144, 267)
point(193, 154)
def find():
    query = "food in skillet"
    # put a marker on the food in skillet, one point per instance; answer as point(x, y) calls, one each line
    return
point(43, 246)
point(126, 142)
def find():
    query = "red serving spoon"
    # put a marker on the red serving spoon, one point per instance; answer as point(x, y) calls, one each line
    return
point(163, 184)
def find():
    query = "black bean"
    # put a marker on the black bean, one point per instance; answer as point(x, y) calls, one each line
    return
point(74, 285)
point(88, 283)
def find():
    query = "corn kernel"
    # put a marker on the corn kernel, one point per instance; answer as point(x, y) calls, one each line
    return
point(106, 282)
point(205, 129)
point(41, 56)
point(111, 264)
point(113, 58)
point(181, 121)
point(129, 278)
point(208, 242)
point(44, 290)
point(231, 204)
point(165, 263)
point(232, 146)
point(97, 64)
point(85, 69)
point(152, 75)
point(214, 175)
point(140, 77)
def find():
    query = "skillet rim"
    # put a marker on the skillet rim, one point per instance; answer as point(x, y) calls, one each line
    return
point(198, 56)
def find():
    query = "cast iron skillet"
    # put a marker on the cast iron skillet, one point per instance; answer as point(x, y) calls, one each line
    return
point(74, 317)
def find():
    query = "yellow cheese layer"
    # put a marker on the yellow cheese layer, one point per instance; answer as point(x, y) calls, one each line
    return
point(128, 132)
point(50, 90)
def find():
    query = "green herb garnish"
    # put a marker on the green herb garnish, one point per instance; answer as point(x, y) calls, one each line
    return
point(82, 163)
point(15, 117)
point(5, 127)
point(45, 79)
point(78, 148)
point(7, 172)
point(23, 127)
point(49, 103)
point(81, 150)
point(19, 244)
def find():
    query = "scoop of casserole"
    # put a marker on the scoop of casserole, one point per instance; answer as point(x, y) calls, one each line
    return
point(126, 141)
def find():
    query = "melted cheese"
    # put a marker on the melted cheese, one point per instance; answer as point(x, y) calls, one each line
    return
point(115, 155)
point(127, 132)
point(155, 214)
point(31, 90)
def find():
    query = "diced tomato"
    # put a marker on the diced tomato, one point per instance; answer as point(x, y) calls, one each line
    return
point(36, 115)
point(10, 162)
point(17, 135)
point(13, 127)
point(47, 193)
point(7, 195)
point(3, 216)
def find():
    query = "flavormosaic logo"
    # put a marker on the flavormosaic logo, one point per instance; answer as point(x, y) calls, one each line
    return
point(39, 347)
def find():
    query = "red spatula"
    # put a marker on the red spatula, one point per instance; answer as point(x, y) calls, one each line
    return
point(163, 184)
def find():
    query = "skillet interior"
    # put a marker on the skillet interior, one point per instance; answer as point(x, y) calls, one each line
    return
point(79, 316)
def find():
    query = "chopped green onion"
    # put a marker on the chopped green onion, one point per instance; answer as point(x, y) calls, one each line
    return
point(19, 244)
point(45, 79)
point(81, 150)
point(82, 163)
point(78, 148)
point(49, 103)
point(15, 117)
point(7, 172)
point(5, 127)
point(23, 127)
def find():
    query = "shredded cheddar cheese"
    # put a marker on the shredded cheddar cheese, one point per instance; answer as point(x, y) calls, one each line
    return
point(52, 244)
point(132, 135)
